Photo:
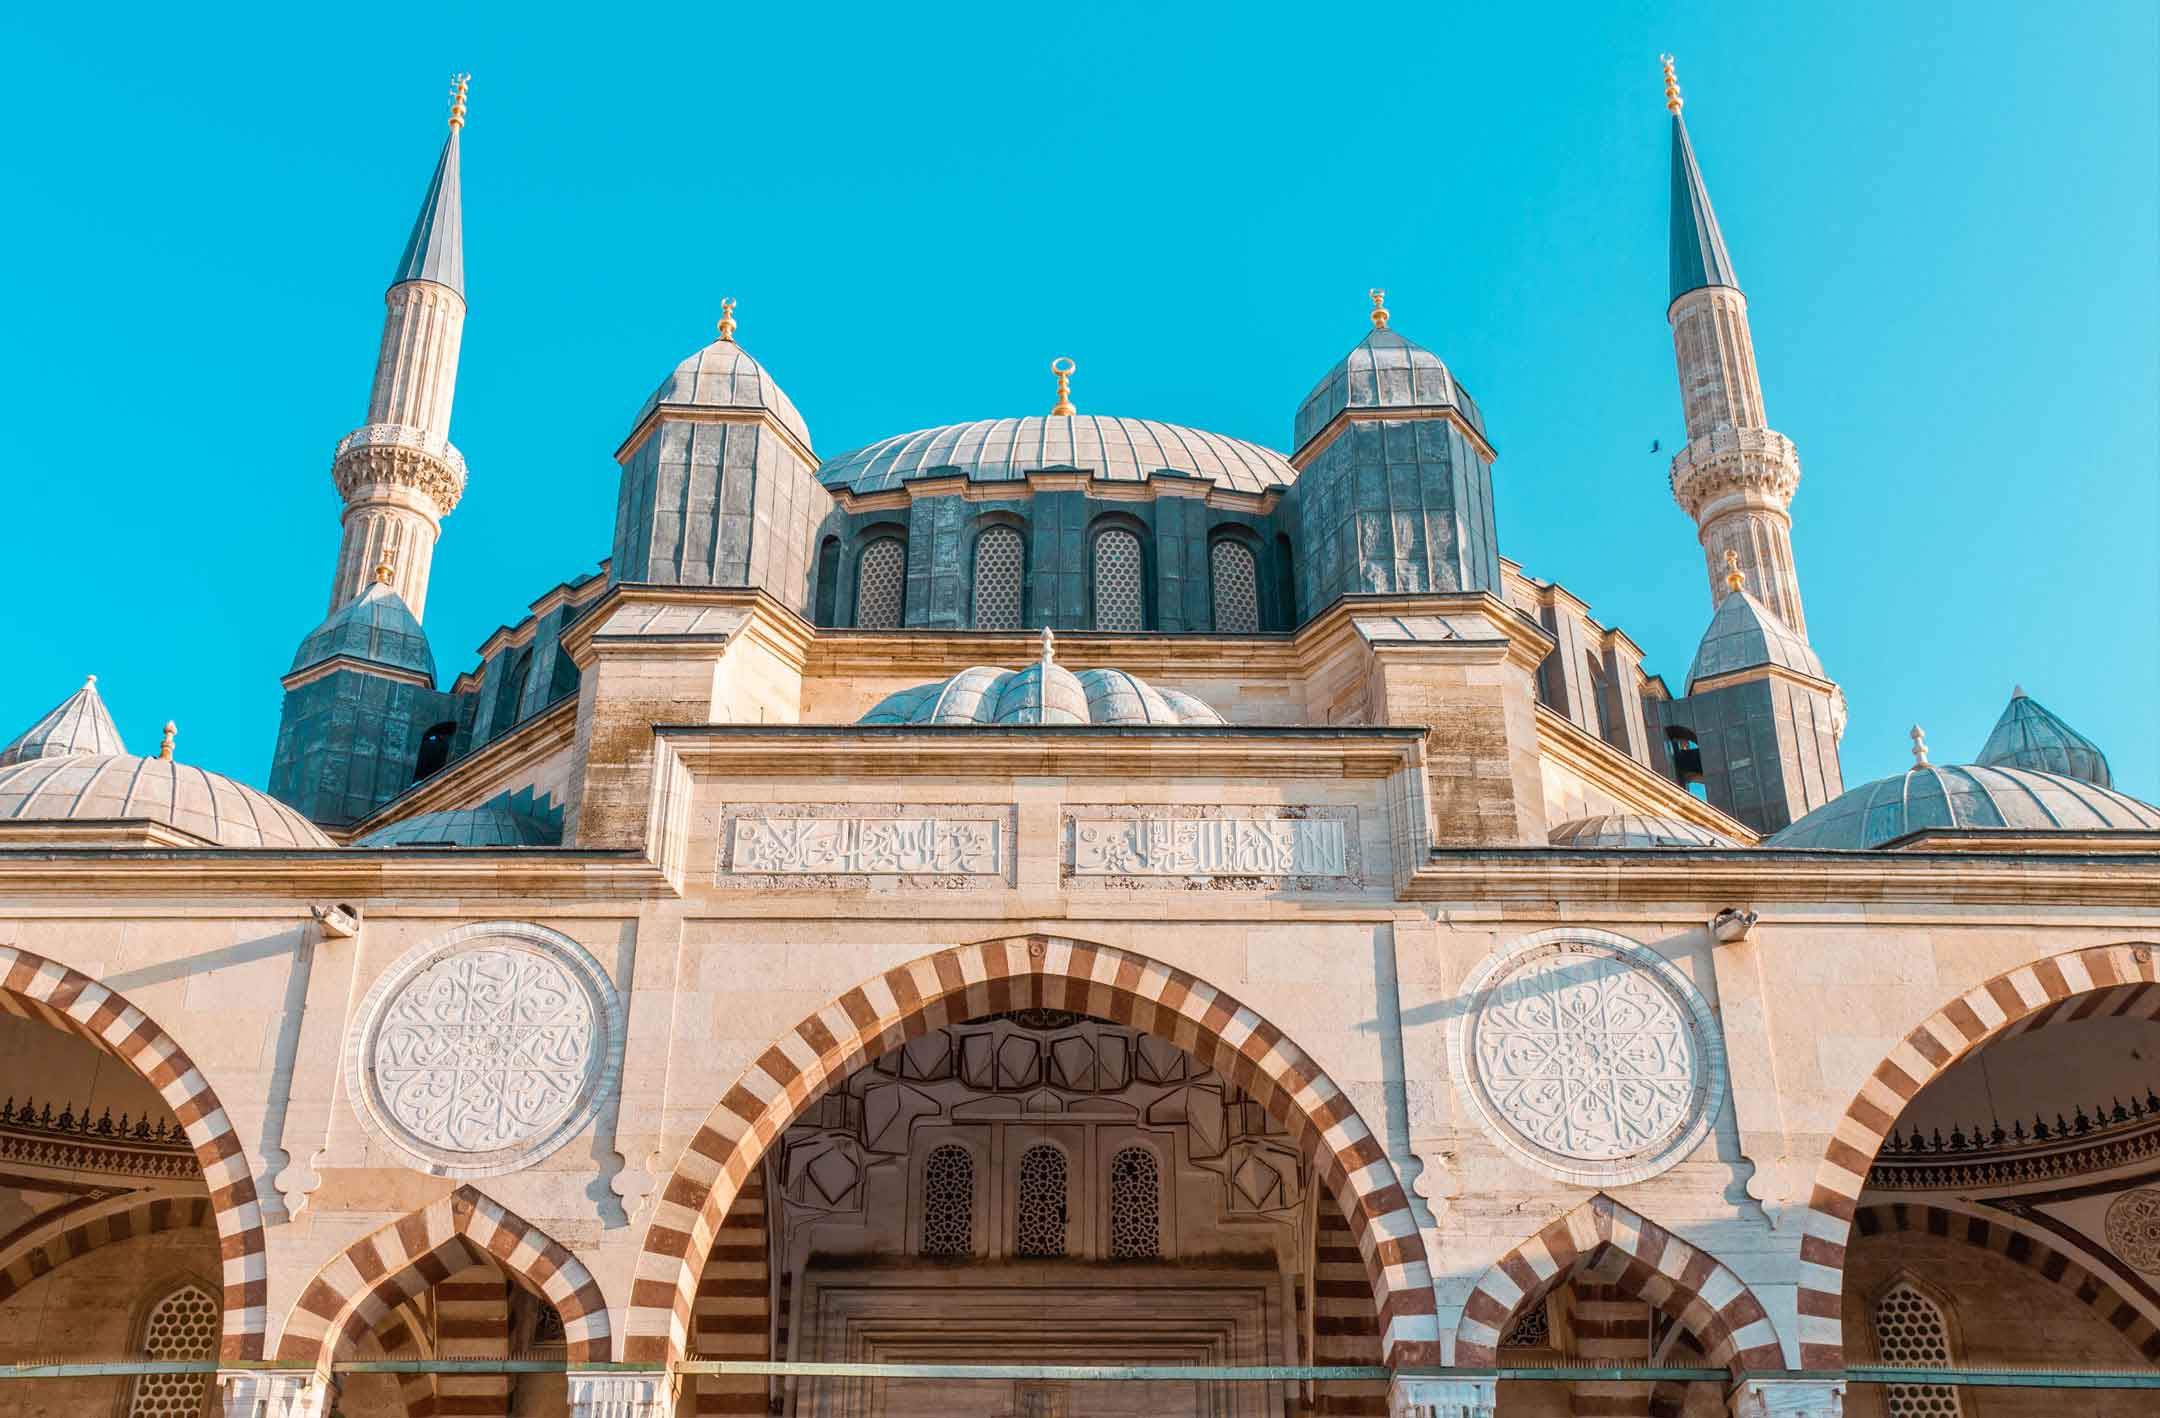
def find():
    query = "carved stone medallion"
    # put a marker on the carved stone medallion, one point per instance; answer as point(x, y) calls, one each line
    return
point(1590, 1057)
point(482, 1052)
point(2133, 1229)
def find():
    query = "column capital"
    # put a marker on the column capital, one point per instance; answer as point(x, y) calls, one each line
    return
point(1442, 1398)
point(1788, 1398)
point(602, 1393)
point(272, 1393)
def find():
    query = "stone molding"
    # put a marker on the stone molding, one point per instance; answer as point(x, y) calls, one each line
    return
point(605, 1394)
point(1788, 1398)
point(272, 1393)
point(1757, 462)
point(1179, 847)
point(404, 457)
point(809, 846)
point(1443, 1398)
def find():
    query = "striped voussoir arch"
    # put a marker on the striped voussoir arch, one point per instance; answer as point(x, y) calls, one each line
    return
point(361, 1286)
point(1605, 1242)
point(2096, 1292)
point(39, 1251)
point(1034, 971)
point(1982, 1013)
point(33, 987)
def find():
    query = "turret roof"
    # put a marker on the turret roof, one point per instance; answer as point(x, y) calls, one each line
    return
point(376, 626)
point(1745, 634)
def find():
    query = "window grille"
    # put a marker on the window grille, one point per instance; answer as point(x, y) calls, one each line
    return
point(997, 579)
point(881, 585)
point(948, 1227)
point(1135, 1205)
point(183, 1325)
point(1909, 1329)
point(1532, 1329)
point(1039, 1216)
point(1119, 602)
point(1237, 588)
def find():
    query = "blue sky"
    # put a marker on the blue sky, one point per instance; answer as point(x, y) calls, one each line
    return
point(1945, 220)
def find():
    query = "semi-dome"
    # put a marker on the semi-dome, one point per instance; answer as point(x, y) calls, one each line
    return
point(1384, 371)
point(1969, 796)
point(1043, 693)
point(490, 825)
point(1745, 634)
point(1004, 450)
point(1618, 829)
point(375, 626)
point(2028, 736)
point(77, 724)
point(117, 786)
point(724, 376)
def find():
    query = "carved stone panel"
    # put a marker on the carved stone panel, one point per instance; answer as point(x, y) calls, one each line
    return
point(1589, 1057)
point(822, 846)
point(2133, 1229)
point(1212, 848)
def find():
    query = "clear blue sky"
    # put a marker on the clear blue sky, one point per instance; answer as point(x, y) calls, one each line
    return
point(1945, 220)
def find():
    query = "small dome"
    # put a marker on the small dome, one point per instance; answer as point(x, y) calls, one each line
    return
point(2028, 736)
point(1745, 634)
point(376, 627)
point(1615, 829)
point(1384, 371)
point(2011, 799)
point(723, 376)
point(118, 786)
point(1040, 694)
point(490, 825)
point(1005, 450)
point(77, 724)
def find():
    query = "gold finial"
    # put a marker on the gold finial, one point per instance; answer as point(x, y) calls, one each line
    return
point(164, 749)
point(1672, 85)
point(1063, 368)
point(727, 320)
point(1379, 308)
point(458, 83)
point(1734, 580)
point(387, 567)
point(1919, 748)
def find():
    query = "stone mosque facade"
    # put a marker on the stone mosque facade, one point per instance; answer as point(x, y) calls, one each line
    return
point(1070, 892)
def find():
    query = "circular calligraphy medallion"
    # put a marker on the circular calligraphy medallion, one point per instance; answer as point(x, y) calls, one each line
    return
point(2133, 1229)
point(1589, 1057)
point(481, 1052)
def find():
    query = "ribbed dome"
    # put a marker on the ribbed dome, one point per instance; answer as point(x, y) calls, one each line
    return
point(1745, 634)
point(77, 724)
point(491, 825)
point(723, 376)
point(2013, 799)
point(375, 626)
point(1040, 694)
point(2028, 736)
point(1002, 450)
point(1615, 829)
point(1384, 371)
point(116, 786)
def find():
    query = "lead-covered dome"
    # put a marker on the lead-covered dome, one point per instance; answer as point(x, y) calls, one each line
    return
point(1968, 796)
point(724, 376)
point(1618, 829)
point(375, 627)
point(117, 786)
point(1043, 693)
point(1384, 371)
point(1004, 450)
point(2029, 736)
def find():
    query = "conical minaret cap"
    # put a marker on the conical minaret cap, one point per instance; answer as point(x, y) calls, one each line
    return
point(1699, 257)
point(436, 249)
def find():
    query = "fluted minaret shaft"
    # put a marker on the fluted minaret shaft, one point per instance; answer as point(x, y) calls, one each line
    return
point(398, 473)
point(1736, 476)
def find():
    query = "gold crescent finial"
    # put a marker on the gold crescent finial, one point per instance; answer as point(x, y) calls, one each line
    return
point(458, 85)
point(164, 751)
point(387, 567)
point(1063, 368)
point(1672, 84)
point(1379, 308)
point(1734, 580)
point(727, 319)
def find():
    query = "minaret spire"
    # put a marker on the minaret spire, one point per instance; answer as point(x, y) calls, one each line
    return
point(398, 473)
point(1736, 476)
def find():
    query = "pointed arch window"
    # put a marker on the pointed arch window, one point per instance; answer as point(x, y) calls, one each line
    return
point(999, 564)
point(948, 1227)
point(1135, 1205)
point(1039, 1209)
point(182, 1324)
point(881, 585)
point(1234, 576)
point(1910, 1329)
point(1120, 599)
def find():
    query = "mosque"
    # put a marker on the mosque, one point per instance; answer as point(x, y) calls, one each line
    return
point(1066, 915)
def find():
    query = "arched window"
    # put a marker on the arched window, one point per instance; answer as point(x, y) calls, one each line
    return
point(948, 1227)
point(1235, 578)
point(1039, 1210)
point(826, 608)
point(881, 584)
point(434, 750)
point(1910, 1329)
point(1135, 1205)
point(183, 1324)
point(1120, 600)
point(998, 565)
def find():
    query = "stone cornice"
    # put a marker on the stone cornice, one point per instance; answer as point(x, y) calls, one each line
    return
point(1159, 484)
point(765, 619)
point(427, 880)
point(336, 663)
point(697, 413)
point(1756, 672)
point(1604, 767)
point(1328, 432)
point(462, 782)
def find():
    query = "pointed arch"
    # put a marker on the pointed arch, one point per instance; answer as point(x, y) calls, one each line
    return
point(1604, 1240)
point(1019, 972)
point(1984, 1012)
point(42, 1247)
point(359, 1287)
point(33, 987)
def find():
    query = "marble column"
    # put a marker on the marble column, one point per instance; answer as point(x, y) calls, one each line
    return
point(603, 1394)
point(1441, 1398)
point(272, 1393)
point(1788, 1398)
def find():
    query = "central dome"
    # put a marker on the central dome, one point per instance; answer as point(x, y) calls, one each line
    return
point(1043, 693)
point(1004, 450)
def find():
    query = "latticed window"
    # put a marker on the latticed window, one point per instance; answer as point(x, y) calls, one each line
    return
point(1909, 1329)
point(1039, 1211)
point(1119, 603)
point(948, 1227)
point(881, 584)
point(997, 579)
point(183, 1325)
point(1532, 1329)
point(1236, 579)
point(1135, 1205)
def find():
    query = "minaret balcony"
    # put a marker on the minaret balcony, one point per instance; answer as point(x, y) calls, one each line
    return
point(401, 455)
point(1750, 465)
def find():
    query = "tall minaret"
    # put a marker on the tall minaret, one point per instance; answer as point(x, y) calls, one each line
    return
point(1736, 476)
point(398, 474)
